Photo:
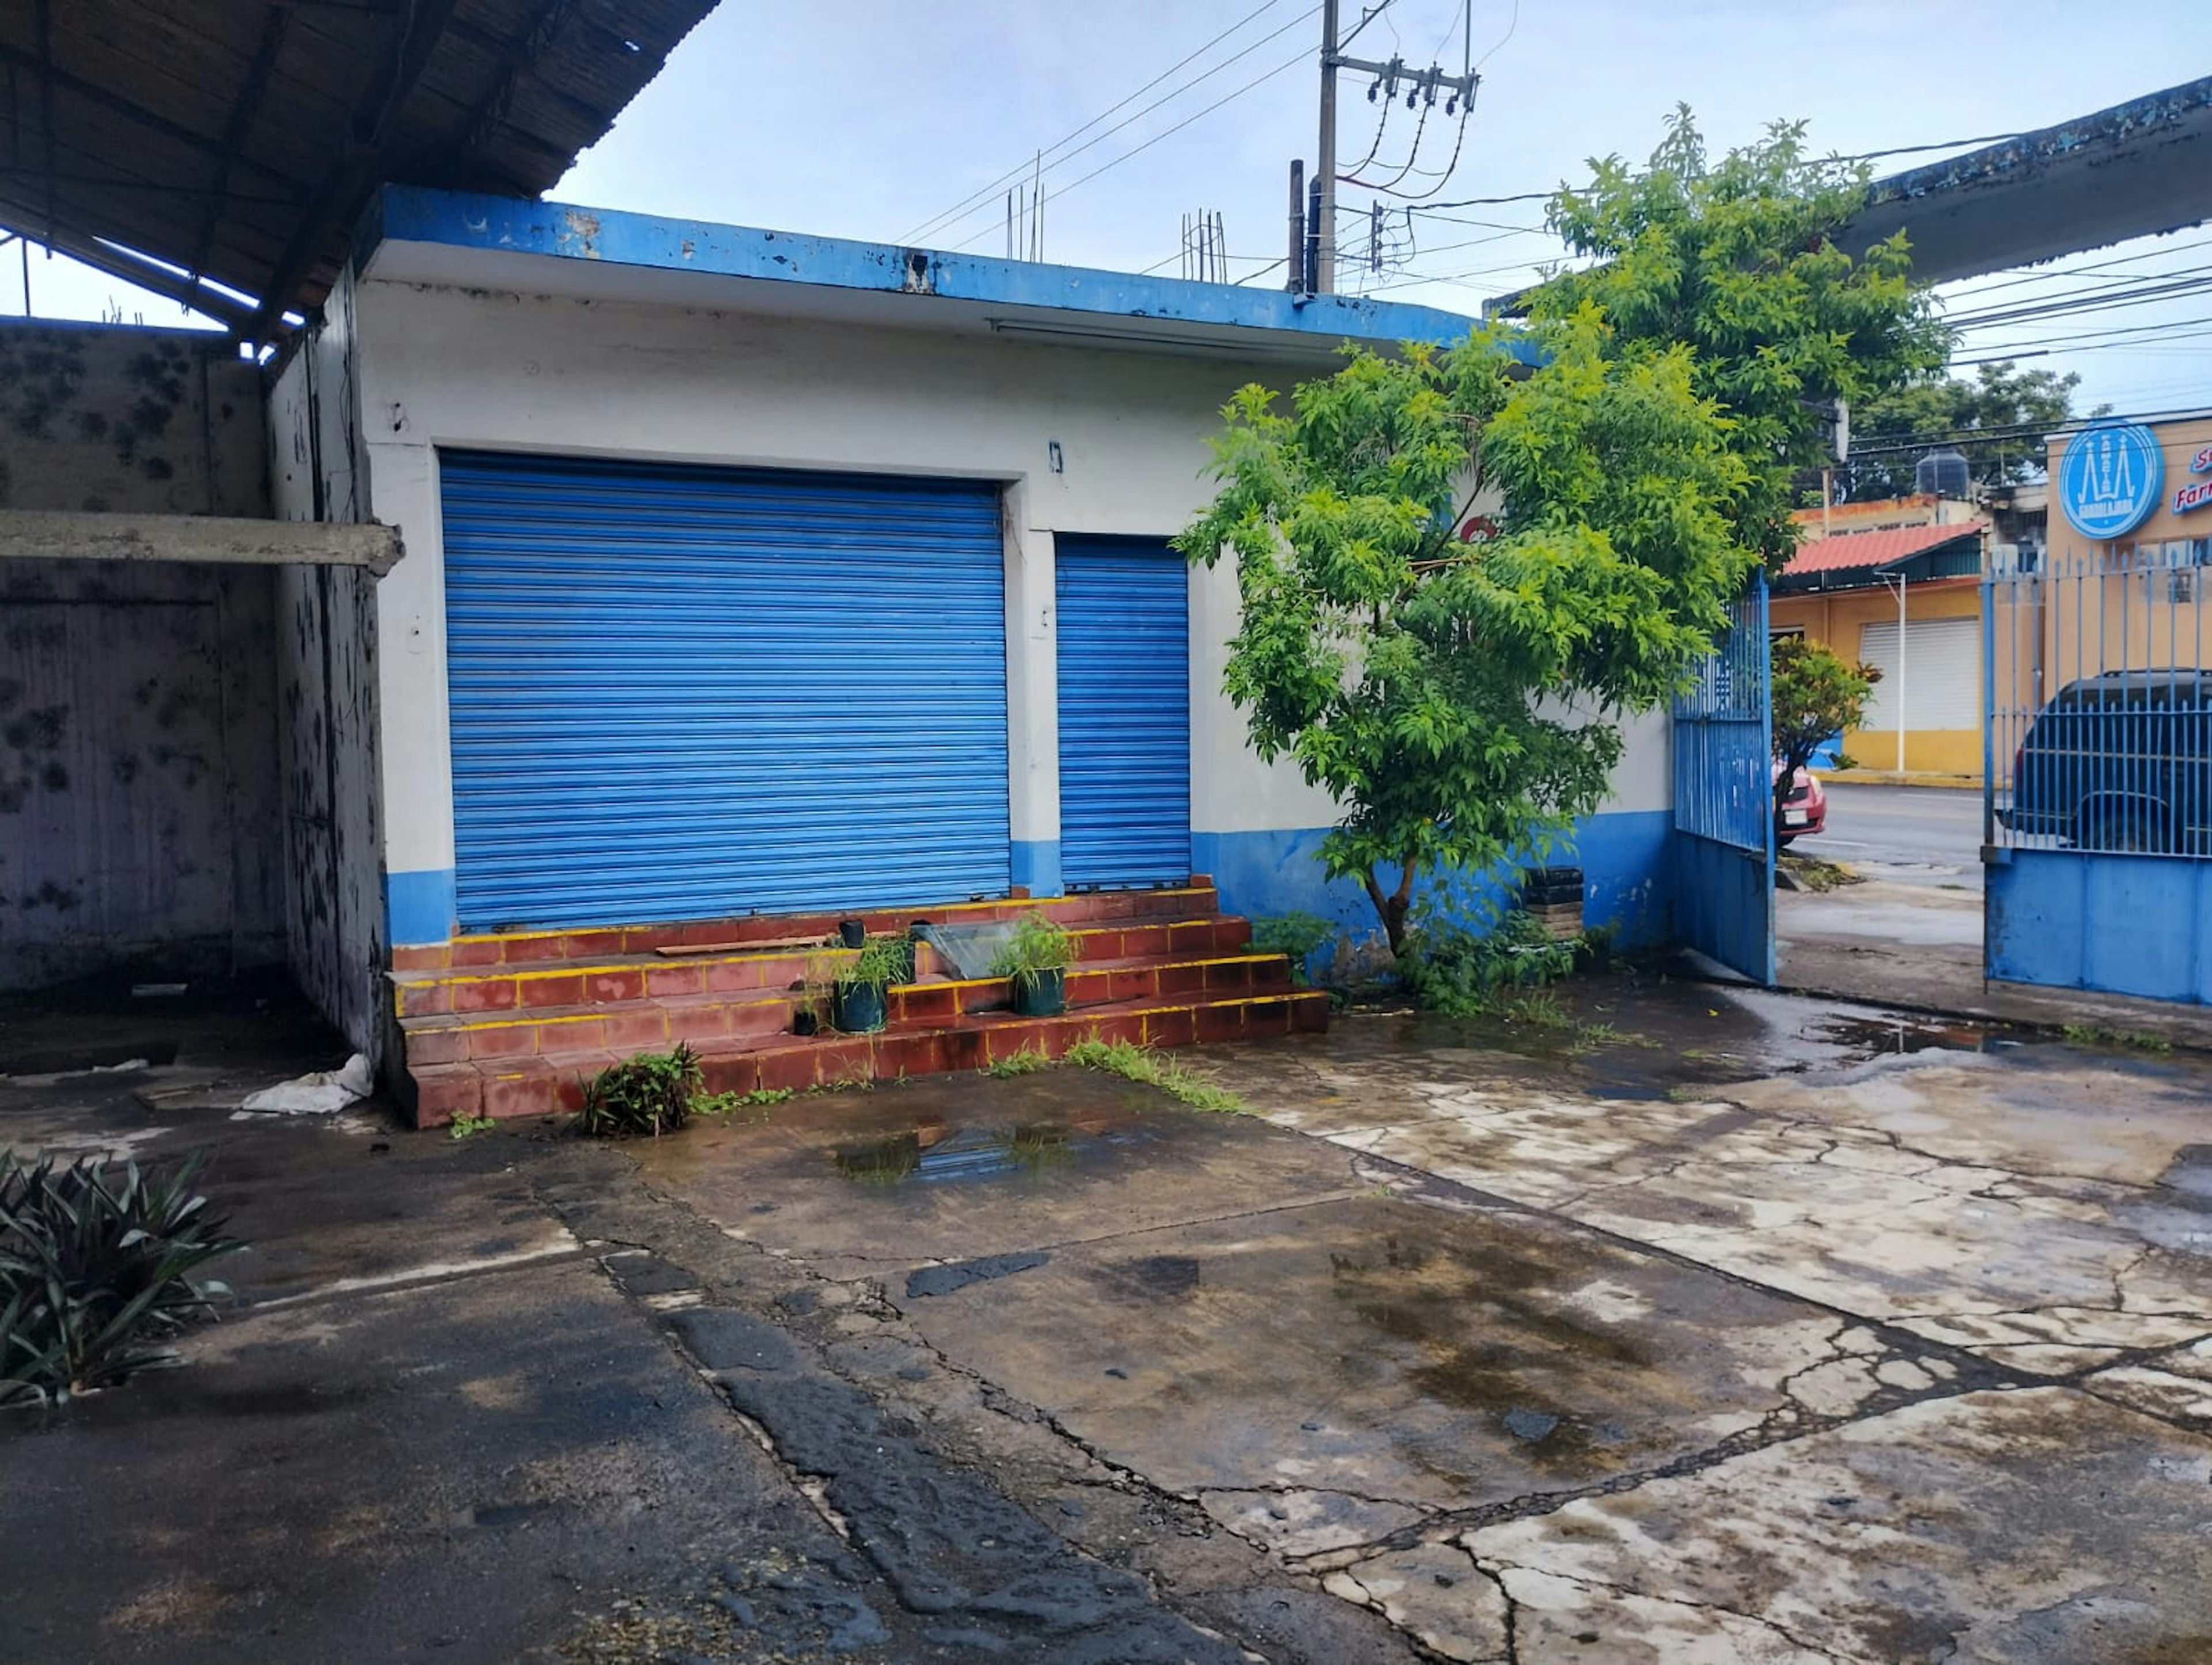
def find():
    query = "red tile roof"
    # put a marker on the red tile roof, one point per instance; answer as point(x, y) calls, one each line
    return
point(1848, 550)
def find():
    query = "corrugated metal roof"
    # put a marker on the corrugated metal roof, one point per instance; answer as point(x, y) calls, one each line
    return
point(1856, 550)
point(238, 142)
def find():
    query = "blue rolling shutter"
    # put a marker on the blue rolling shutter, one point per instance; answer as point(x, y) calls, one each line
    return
point(1124, 713)
point(686, 693)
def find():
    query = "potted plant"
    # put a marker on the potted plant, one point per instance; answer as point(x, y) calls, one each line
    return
point(1038, 960)
point(859, 982)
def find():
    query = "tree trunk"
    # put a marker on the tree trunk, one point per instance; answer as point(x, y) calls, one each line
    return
point(1391, 906)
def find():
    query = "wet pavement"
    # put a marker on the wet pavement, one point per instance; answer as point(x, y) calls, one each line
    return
point(1723, 1326)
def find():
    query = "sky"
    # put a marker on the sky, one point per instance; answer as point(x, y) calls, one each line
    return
point(875, 118)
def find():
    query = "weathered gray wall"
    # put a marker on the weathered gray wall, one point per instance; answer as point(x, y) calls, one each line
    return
point(140, 803)
point(101, 416)
point(334, 917)
point(139, 798)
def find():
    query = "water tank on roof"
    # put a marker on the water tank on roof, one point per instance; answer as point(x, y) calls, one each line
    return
point(1941, 474)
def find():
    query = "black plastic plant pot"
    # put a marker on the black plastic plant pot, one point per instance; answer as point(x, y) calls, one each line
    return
point(805, 1021)
point(857, 1008)
point(1040, 994)
point(852, 932)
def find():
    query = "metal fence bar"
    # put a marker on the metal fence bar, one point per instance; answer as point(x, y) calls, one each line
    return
point(2099, 703)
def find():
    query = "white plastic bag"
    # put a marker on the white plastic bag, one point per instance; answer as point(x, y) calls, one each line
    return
point(319, 1092)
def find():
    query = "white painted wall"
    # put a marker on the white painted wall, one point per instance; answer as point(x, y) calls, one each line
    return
point(449, 368)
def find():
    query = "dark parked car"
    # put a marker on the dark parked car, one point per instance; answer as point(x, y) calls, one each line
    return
point(2119, 761)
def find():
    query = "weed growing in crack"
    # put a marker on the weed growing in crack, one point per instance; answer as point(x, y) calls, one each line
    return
point(721, 1106)
point(465, 1125)
point(1027, 1062)
point(1135, 1063)
point(2096, 1034)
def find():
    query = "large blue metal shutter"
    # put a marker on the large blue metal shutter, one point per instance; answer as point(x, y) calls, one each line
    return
point(685, 693)
point(1124, 713)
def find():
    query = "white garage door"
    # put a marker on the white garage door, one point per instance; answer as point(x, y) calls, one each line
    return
point(1942, 679)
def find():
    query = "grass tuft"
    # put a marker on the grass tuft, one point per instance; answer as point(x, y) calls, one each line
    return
point(1027, 1062)
point(1135, 1063)
point(2097, 1034)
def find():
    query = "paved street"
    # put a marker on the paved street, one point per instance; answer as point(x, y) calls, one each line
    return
point(1907, 835)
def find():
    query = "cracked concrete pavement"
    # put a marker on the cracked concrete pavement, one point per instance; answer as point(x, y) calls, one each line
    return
point(1761, 1330)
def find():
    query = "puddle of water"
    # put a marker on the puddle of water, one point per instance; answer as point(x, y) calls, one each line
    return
point(1467, 1326)
point(1862, 1038)
point(1524, 1423)
point(939, 1152)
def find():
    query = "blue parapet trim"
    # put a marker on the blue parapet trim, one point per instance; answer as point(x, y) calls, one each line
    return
point(1624, 856)
point(2118, 924)
point(419, 906)
point(1037, 865)
point(1119, 300)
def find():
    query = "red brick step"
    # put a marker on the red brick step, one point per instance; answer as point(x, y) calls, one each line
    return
point(513, 1024)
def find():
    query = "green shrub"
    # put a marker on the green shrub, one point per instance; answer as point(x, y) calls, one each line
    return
point(652, 1093)
point(97, 1266)
point(1451, 967)
point(1298, 936)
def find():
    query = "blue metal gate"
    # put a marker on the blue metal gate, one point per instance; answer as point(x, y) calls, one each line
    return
point(687, 693)
point(2097, 770)
point(1124, 608)
point(1724, 801)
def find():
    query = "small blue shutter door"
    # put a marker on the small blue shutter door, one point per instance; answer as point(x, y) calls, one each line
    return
point(687, 693)
point(1124, 610)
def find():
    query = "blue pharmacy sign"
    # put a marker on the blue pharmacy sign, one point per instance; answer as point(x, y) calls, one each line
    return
point(2110, 478)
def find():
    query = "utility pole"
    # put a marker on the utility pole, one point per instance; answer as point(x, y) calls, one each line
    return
point(1324, 234)
point(1419, 84)
point(1294, 278)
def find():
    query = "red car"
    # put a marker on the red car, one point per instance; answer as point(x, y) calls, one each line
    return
point(1804, 810)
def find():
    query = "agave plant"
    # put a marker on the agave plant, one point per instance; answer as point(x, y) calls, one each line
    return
point(97, 1270)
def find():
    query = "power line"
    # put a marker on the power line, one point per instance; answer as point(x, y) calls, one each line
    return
point(1020, 168)
point(2070, 348)
point(2075, 272)
point(1227, 98)
point(944, 221)
point(1992, 349)
point(2148, 295)
point(1502, 38)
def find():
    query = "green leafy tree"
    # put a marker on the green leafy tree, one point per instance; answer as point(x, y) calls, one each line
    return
point(1461, 698)
point(2018, 406)
point(1733, 260)
point(1815, 693)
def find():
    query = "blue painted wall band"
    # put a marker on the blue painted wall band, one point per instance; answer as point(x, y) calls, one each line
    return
point(1037, 865)
point(419, 906)
point(1624, 856)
